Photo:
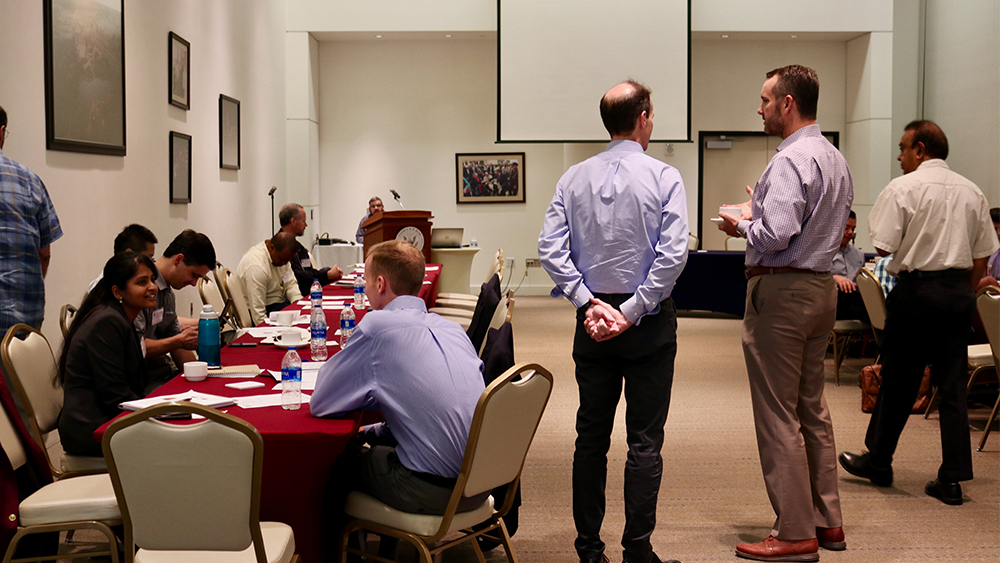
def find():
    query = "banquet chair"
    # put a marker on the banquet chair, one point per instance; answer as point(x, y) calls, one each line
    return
point(980, 356)
point(219, 271)
point(736, 244)
point(693, 242)
point(66, 316)
point(234, 289)
point(844, 331)
point(212, 295)
point(503, 427)
point(31, 367)
point(74, 503)
point(874, 300)
point(503, 313)
point(191, 492)
point(988, 305)
point(489, 297)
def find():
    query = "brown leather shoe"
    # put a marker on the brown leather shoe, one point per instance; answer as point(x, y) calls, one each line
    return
point(831, 538)
point(773, 549)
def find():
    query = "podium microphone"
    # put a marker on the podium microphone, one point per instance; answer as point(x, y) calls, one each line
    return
point(271, 194)
point(395, 195)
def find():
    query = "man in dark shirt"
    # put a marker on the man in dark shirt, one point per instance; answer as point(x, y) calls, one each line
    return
point(292, 218)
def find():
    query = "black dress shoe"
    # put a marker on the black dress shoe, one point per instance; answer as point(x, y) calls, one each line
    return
point(653, 558)
point(948, 493)
point(600, 558)
point(861, 466)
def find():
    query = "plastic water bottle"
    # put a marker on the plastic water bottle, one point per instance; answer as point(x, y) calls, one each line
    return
point(291, 381)
point(316, 294)
point(209, 337)
point(359, 292)
point(346, 325)
point(317, 329)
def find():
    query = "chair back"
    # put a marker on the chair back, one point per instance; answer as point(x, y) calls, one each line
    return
point(486, 305)
point(500, 316)
point(219, 273)
point(211, 294)
point(187, 486)
point(497, 265)
point(503, 427)
point(31, 367)
point(736, 243)
point(66, 316)
point(873, 297)
point(693, 242)
point(235, 290)
point(988, 305)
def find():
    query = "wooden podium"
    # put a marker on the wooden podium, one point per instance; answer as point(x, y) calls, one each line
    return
point(411, 226)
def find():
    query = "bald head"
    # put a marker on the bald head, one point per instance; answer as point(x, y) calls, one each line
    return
point(281, 247)
point(627, 112)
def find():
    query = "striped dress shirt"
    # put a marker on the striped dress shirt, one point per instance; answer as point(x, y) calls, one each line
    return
point(800, 205)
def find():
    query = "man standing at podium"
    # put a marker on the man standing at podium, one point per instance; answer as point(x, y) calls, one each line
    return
point(374, 206)
point(614, 240)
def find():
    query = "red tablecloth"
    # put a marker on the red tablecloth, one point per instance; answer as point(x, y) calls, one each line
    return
point(299, 450)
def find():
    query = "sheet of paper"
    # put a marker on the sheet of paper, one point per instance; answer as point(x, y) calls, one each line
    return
point(269, 400)
point(308, 381)
point(264, 331)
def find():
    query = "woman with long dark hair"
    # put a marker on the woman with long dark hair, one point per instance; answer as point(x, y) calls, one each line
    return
point(102, 361)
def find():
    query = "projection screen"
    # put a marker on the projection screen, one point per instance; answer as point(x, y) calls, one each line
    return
point(558, 57)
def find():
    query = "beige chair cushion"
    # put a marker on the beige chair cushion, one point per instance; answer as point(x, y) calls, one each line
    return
point(980, 355)
point(459, 296)
point(850, 324)
point(279, 545)
point(90, 497)
point(366, 507)
point(462, 304)
point(76, 463)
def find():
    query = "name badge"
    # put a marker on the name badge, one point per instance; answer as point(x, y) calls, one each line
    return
point(142, 344)
point(287, 277)
point(306, 263)
point(158, 316)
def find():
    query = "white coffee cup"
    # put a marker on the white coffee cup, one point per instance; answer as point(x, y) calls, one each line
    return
point(731, 210)
point(291, 337)
point(286, 318)
point(195, 371)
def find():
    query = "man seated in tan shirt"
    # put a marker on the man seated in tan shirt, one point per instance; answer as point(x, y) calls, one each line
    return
point(267, 278)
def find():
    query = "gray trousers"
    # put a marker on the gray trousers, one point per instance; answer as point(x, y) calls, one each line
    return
point(786, 329)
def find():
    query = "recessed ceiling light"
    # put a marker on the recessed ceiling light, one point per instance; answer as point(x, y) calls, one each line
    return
point(378, 37)
point(795, 37)
point(725, 36)
point(448, 35)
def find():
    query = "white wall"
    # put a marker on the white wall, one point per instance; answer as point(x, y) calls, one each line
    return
point(394, 113)
point(237, 48)
point(962, 86)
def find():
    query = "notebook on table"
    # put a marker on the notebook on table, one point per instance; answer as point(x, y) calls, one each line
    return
point(249, 370)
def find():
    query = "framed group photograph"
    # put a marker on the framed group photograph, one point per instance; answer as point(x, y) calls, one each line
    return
point(490, 177)
point(180, 167)
point(229, 132)
point(85, 76)
point(180, 71)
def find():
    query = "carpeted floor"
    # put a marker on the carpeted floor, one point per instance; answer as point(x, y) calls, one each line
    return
point(712, 496)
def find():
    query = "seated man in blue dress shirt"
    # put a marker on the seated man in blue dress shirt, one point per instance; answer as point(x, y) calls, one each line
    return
point(846, 263)
point(421, 372)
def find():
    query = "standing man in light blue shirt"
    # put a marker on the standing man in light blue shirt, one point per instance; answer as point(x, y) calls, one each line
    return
point(794, 225)
point(614, 241)
point(421, 372)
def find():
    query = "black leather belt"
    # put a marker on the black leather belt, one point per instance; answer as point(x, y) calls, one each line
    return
point(760, 270)
point(436, 480)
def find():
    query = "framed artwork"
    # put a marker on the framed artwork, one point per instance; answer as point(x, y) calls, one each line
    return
point(490, 177)
point(180, 71)
point(229, 132)
point(85, 76)
point(180, 167)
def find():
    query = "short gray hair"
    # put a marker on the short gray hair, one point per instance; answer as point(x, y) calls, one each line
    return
point(288, 212)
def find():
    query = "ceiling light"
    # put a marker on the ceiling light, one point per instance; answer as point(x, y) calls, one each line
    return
point(448, 35)
point(725, 36)
point(795, 37)
point(378, 37)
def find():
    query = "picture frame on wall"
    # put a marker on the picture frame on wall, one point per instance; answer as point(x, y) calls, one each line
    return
point(180, 71)
point(85, 76)
point(180, 167)
point(490, 177)
point(229, 132)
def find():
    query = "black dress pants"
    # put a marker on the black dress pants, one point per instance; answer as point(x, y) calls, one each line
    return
point(929, 320)
point(643, 359)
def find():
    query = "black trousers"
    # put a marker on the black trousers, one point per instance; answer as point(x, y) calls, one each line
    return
point(929, 320)
point(643, 359)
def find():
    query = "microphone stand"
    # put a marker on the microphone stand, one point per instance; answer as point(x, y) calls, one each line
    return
point(271, 193)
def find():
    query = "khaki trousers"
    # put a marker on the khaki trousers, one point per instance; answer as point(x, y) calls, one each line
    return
point(786, 329)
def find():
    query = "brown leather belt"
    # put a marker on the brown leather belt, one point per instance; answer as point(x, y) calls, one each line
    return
point(758, 270)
